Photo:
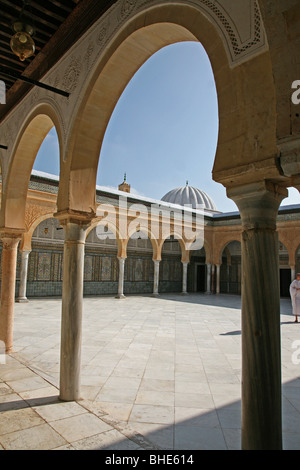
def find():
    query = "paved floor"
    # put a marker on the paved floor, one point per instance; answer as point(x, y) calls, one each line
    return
point(157, 373)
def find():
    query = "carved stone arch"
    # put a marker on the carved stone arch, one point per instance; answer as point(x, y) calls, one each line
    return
point(152, 238)
point(114, 229)
point(244, 137)
point(185, 252)
point(35, 215)
point(225, 248)
point(15, 184)
point(289, 245)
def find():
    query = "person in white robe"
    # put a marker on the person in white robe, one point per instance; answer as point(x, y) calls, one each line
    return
point(295, 296)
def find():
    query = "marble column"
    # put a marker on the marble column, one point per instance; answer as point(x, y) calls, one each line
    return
point(72, 298)
point(218, 268)
point(156, 277)
point(208, 278)
point(23, 280)
point(293, 273)
point(184, 277)
point(121, 278)
point(261, 350)
point(8, 283)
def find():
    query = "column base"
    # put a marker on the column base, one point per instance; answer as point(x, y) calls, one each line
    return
point(155, 295)
point(120, 296)
point(22, 300)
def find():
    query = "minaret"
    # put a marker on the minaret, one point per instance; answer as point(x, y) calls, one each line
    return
point(124, 186)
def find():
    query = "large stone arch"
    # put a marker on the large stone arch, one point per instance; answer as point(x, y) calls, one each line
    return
point(225, 244)
point(247, 163)
point(121, 245)
point(149, 234)
point(25, 244)
point(15, 183)
point(247, 131)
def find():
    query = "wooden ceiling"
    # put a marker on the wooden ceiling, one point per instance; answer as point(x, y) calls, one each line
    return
point(58, 23)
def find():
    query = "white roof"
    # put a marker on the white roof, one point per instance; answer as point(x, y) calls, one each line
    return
point(190, 195)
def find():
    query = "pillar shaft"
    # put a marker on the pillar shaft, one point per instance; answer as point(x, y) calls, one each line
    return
point(293, 273)
point(121, 278)
point(8, 282)
point(23, 280)
point(156, 277)
point(184, 277)
point(261, 355)
point(72, 297)
point(218, 279)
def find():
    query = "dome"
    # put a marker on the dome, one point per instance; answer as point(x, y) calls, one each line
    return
point(187, 195)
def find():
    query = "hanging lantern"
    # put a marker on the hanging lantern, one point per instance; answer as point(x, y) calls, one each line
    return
point(22, 43)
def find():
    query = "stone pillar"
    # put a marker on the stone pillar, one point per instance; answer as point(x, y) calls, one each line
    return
point(184, 277)
point(293, 273)
point(23, 280)
point(208, 278)
point(218, 279)
point(8, 285)
point(72, 298)
point(261, 351)
point(156, 277)
point(121, 278)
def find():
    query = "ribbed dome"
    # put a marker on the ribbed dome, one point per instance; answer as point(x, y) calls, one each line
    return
point(187, 195)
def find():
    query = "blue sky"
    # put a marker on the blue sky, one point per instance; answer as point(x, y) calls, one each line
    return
point(163, 131)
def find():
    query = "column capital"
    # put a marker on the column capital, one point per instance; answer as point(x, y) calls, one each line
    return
point(258, 203)
point(75, 217)
point(11, 234)
point(75, 226)
point(10, 239)
point(25, 252)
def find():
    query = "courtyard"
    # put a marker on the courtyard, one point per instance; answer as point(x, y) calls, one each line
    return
point(157, 373)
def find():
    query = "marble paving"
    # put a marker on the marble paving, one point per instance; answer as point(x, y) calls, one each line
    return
point(157, 373)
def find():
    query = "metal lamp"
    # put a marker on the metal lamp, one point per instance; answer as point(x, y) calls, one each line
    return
point(22, 43)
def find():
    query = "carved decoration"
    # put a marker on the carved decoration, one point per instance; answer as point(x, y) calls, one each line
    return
point(72, 72)
point(71, 75)
point(34, 212)
point(126, 8)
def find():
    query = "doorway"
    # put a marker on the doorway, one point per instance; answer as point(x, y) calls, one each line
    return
point(285, 281)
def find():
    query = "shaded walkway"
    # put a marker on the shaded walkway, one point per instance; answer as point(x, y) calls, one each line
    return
point(157, 373)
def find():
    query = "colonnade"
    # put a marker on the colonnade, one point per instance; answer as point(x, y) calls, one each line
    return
point(261, 364)
point(24, 253)
point(210, 271)
point(213, 278)
point(261, 351)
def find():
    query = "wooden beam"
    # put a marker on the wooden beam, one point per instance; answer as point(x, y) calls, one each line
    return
point(84, 15)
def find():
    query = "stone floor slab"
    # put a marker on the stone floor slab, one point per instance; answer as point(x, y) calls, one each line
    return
point(162, 372)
